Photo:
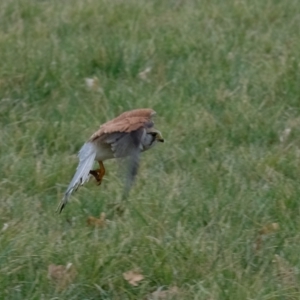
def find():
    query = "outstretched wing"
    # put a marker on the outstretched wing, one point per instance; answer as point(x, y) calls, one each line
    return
point(126, 122)
point(86, 156)
point(127, 145)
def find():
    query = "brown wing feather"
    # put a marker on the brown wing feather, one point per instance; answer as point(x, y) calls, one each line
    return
point(126, 122)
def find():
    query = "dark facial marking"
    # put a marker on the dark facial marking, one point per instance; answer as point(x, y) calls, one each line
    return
point(154, 134)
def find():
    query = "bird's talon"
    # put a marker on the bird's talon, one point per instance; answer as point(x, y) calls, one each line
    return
point(96, 174)
point(99, 173)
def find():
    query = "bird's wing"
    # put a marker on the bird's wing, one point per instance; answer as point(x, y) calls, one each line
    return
point(127, 122)
point(128, 146)
point(86, 156)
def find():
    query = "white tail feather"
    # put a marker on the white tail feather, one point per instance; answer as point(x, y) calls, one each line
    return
point(87, 155)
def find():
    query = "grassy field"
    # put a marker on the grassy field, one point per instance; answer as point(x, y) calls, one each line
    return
point(215, 211)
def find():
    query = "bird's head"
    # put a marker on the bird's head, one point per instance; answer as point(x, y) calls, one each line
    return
point(156, 135)
point(151, 138)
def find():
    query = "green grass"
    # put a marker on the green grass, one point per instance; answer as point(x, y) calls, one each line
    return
point(225, 83)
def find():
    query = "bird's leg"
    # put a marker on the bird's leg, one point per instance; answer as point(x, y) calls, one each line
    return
point(98, 173)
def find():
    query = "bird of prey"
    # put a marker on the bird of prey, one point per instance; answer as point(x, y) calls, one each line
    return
point(127, 135)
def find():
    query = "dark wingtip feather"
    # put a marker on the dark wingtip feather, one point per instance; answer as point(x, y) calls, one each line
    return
point(60, 207)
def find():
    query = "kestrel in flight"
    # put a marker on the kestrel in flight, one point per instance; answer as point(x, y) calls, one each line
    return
point(127, 135)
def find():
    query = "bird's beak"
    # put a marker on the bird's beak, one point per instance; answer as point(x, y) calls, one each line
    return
point(159, 138)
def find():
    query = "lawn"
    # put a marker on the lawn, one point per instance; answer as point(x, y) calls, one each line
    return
point(214, 212)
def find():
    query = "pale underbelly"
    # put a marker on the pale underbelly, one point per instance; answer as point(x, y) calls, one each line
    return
point(104, 153)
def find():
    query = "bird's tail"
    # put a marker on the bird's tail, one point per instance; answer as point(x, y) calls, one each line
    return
point(87, 155)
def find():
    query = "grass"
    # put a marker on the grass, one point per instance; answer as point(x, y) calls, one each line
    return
point(224, 81)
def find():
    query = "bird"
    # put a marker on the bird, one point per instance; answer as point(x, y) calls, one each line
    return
point(127, 135)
